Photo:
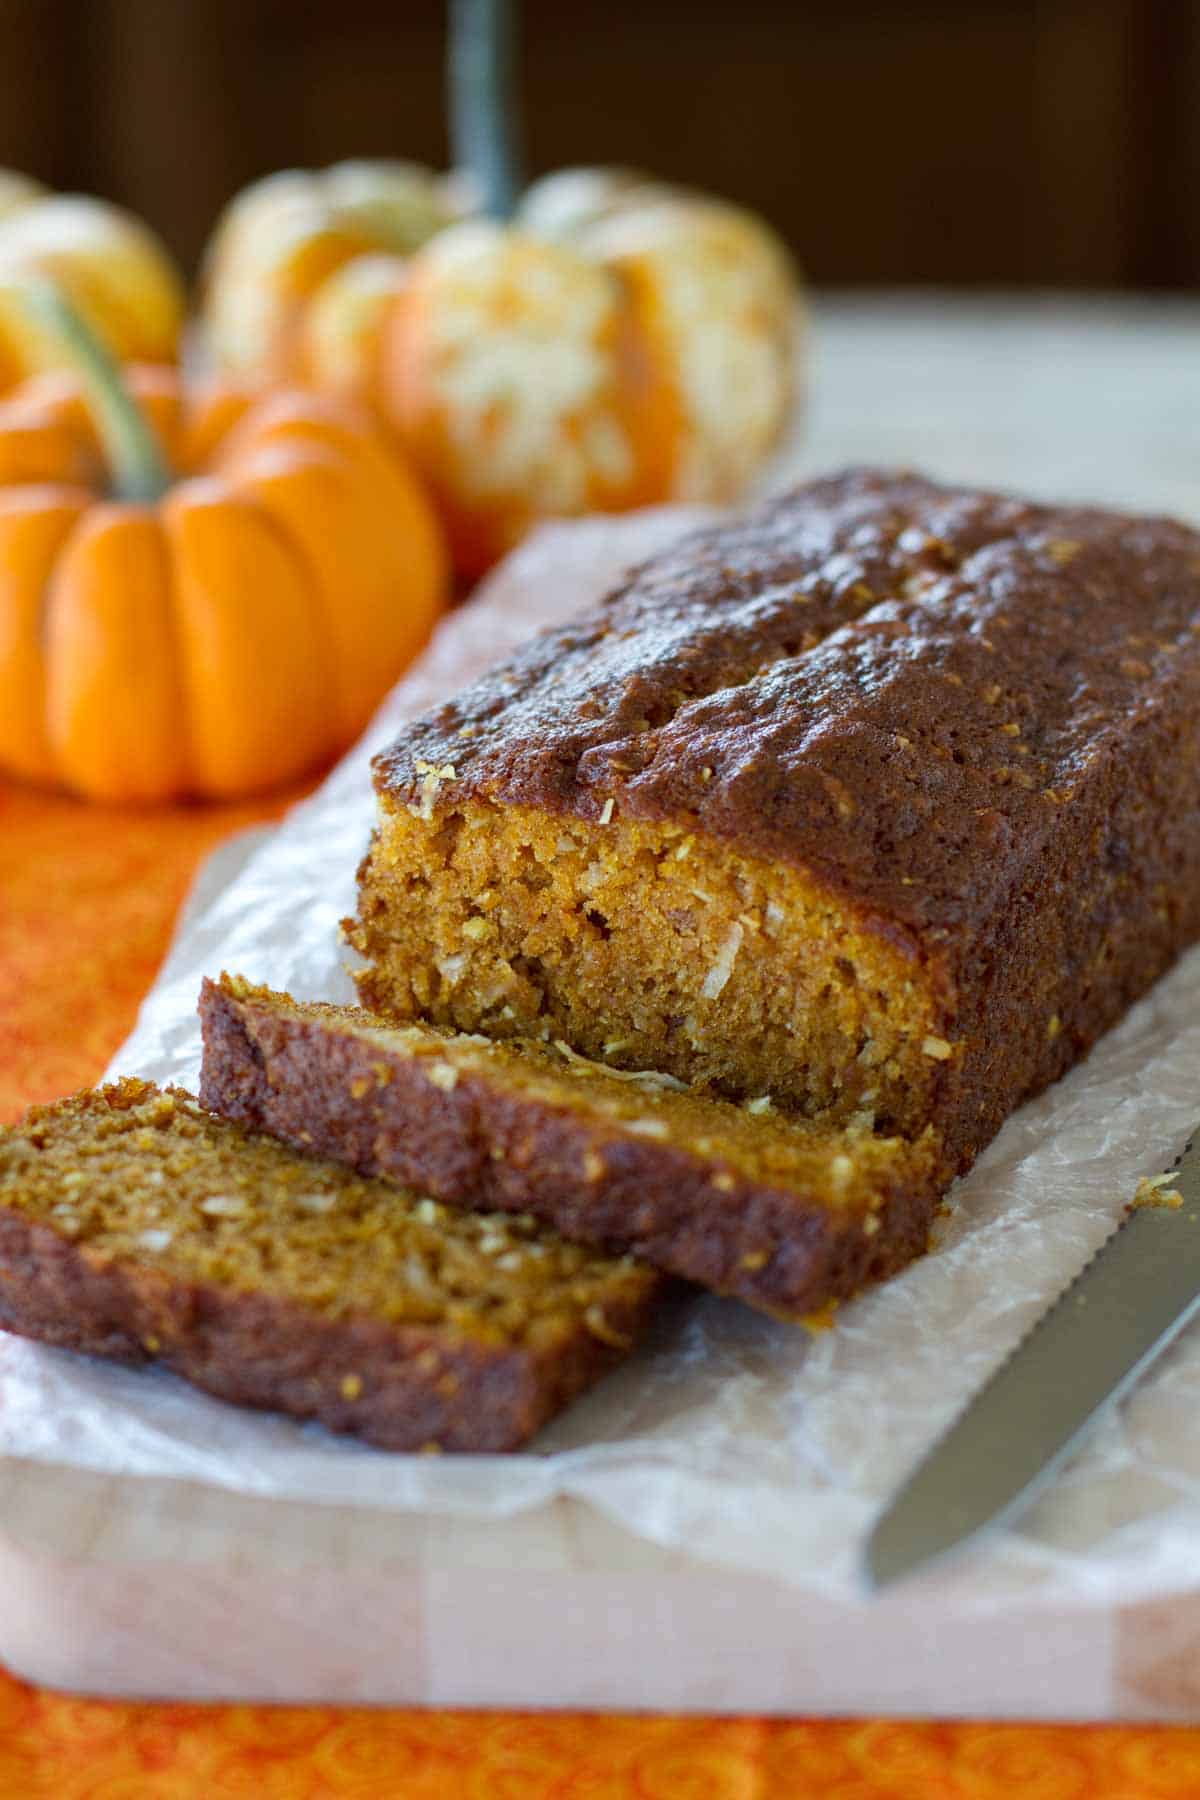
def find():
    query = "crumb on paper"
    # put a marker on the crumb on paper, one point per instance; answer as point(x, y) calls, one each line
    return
point(1152, 1190)
point(822, 1319)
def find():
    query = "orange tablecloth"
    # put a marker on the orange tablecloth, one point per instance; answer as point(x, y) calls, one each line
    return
point(87, 899)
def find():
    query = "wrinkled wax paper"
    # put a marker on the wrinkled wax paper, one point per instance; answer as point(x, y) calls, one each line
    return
point(747, 1442)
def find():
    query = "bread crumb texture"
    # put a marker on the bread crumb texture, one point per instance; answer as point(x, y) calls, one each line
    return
point(507, 922)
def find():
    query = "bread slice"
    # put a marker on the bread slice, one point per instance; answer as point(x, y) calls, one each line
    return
point(135, 1225)
point(786, 1214)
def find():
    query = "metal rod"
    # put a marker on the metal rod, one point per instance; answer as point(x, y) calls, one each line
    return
point(484, 113)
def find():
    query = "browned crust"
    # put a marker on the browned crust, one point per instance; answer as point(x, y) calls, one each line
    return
point(486, 1147)
point(398, 1387)
point(787, 651)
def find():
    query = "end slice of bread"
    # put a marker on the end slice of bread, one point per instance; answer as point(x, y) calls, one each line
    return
point(787, 1214)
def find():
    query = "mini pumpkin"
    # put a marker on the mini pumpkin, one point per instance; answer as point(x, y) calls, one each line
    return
point(647, 356)
point(619, 343)
point(284, 238)
point(115, 271)
point(605, 343)
point(201, 592)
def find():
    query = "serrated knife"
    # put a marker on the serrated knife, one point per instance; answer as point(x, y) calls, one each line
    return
point(1138, 1292)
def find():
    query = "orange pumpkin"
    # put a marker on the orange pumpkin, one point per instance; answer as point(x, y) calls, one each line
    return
point(200, 593)
point(618, 343)
point(116, 272)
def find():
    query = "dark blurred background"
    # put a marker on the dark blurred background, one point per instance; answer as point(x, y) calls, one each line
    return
point(962, 141)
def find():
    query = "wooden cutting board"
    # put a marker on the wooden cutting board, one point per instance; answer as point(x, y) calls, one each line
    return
point(128, 1587)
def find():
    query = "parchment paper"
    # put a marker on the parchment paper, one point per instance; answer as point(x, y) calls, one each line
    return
point(746, 1442)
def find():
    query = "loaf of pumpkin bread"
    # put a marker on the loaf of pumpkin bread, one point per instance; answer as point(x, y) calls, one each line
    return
point(787, 1214)
point(137, 1226)
point(883, 803)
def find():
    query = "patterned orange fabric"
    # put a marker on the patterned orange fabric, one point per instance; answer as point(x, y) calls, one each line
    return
point(87, 899)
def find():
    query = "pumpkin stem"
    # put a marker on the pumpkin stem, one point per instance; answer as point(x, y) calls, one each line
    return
point(137, 466)
point(483, 103)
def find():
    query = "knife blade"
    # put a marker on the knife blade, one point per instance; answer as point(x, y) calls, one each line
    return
point(1138, 1292)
